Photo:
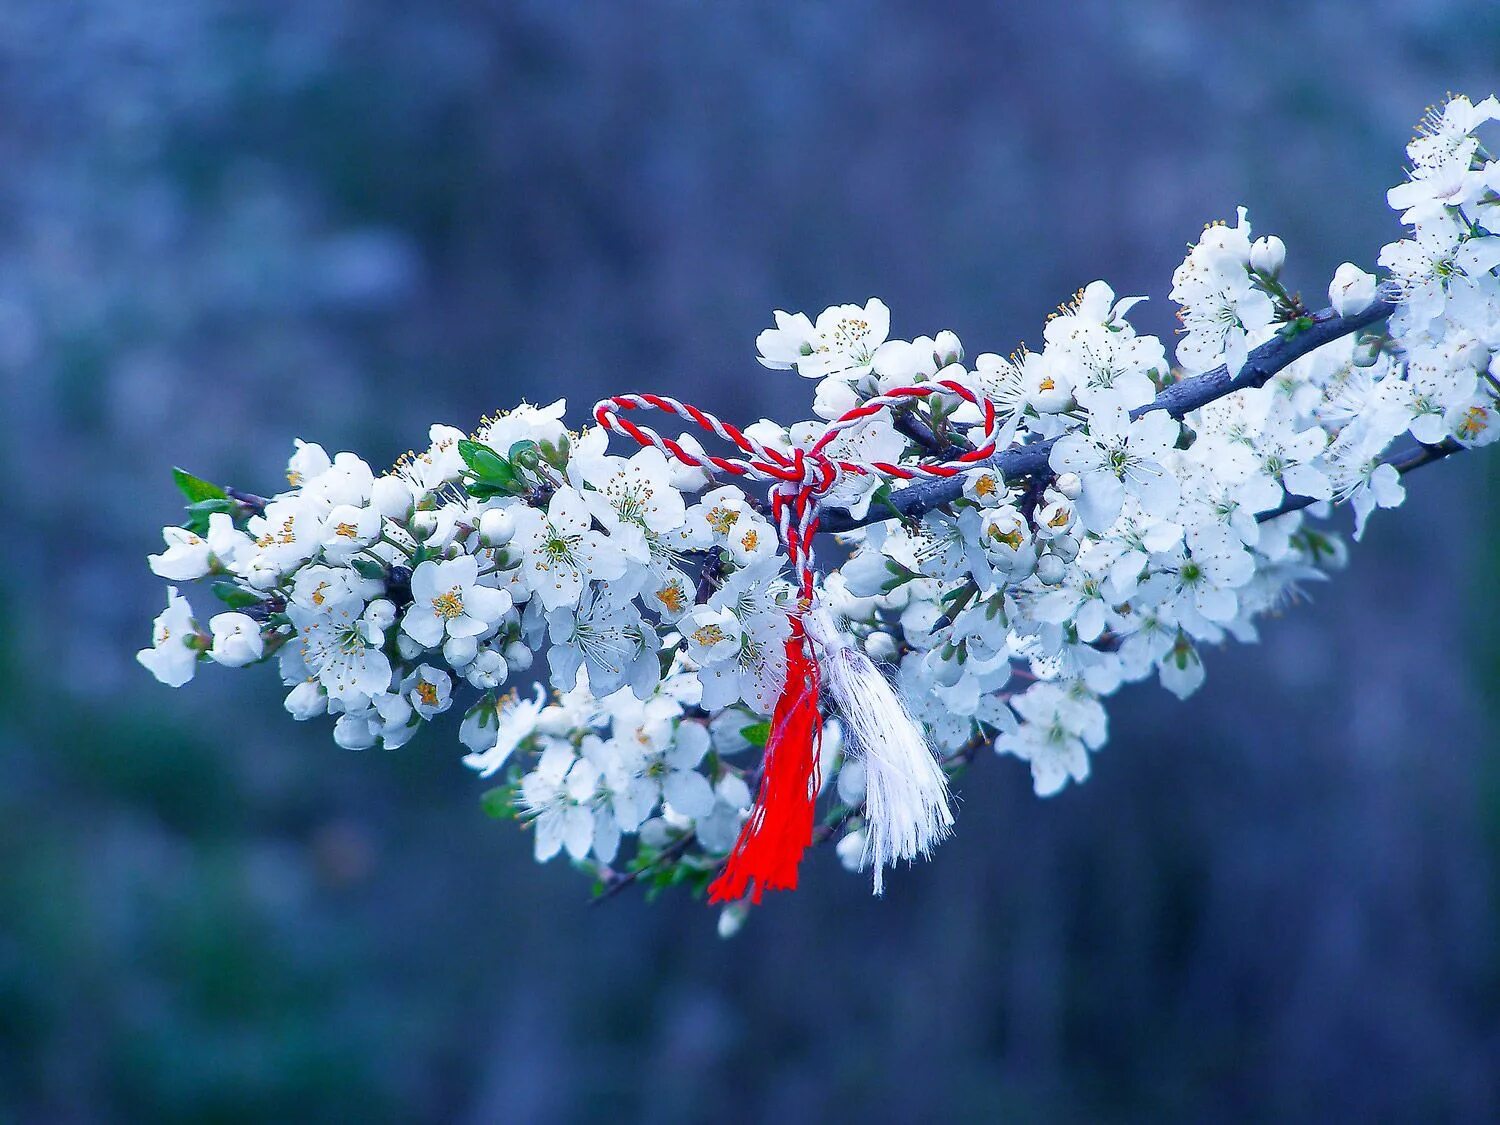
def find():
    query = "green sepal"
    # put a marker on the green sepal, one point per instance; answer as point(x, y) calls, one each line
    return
point(499, 803)
point(525, 454)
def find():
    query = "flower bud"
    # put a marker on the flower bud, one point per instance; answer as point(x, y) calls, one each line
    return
point(380, 615)
point(496, 527)
point(518, 656)
point(947, 349)
point(306, 701)
point(1050, 569)
point(945, 672)
point(834, 397)
point(391, 497)
point(1367, 350)
point(353, 732)
point(732, 919)
point(851, 782)
point(919, 619)
point(1351, 290)
point(1268, 255)
point(424, 524)
point(880, 647)
point(237, 640)
point(1070, 485)
point(1064, 547)
point(459, 651)
point(851, 850)
point(487, 670)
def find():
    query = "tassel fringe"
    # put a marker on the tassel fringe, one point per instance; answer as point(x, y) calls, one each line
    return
point(906, 792)
point(780, 827)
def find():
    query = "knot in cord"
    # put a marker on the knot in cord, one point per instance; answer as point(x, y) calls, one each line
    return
point(779, 829)
point(800, 479)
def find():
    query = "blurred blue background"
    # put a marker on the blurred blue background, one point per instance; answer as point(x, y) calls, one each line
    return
point(224, 225)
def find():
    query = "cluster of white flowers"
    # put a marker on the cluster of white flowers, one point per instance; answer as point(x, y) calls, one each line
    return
point(1007, 612)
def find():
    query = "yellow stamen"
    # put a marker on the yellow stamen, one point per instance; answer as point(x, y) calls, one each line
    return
point(673, 598)
point(708, 635)
point(449, 605)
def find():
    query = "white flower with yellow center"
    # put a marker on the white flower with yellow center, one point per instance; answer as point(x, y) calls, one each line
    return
point(560, 551)
point(440, 464)
point(318, 585)
point(342, 648)
point(309, 461)
point(841, 345)
point(611, 640)
point(712, 635)
point(286, 534)
point(1113, 365)
point(448, 601)
point(503, 725)
point(429, 690)
point(348, 530)
point(175, 643)
point(189, 555)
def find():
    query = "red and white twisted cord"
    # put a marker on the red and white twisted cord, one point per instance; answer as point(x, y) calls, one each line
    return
point(801, 477)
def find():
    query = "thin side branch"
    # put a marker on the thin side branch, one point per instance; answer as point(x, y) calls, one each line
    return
point(1403, 463)
point(1179, 399)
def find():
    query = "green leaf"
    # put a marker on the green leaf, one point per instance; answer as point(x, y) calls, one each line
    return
point(196, 488)
point(756, 734)
point(368, 568)
point(235, 597)
point(499, 802)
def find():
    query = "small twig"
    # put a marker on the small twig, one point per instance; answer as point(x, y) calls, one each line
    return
point(1179, 399)
point(247, 499)
point(710, 576)
point(921, 433)
point(918, 431)
point(1403, 463)
point(616, 881)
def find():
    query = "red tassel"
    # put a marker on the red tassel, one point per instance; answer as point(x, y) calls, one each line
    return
point(780, 826)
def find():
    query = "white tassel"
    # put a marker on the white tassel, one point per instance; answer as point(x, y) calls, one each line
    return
point(906, 791)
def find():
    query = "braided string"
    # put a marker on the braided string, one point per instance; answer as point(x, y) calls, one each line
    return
point(801, 478)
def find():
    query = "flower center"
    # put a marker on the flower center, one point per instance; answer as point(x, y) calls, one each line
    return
point(708, 635)
point(673, 598)
point(449, 605)
point(1476, 421)
point(721, 519)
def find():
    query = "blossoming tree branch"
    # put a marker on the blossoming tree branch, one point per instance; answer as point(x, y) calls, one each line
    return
point(1016, 538)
